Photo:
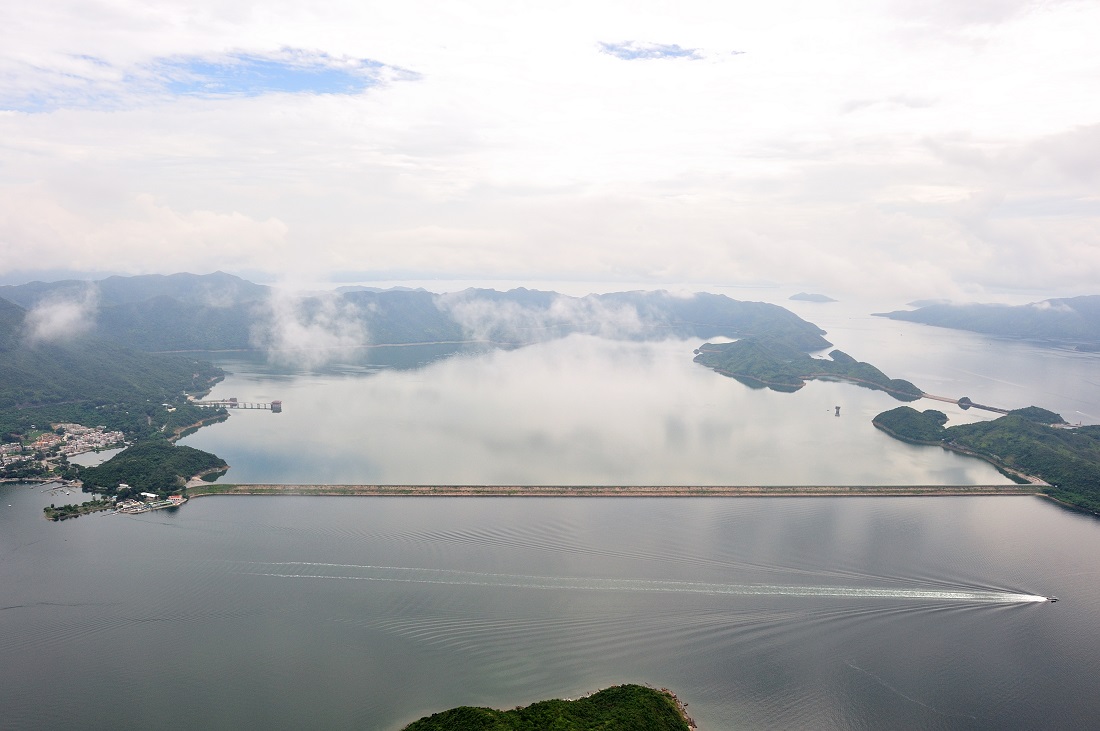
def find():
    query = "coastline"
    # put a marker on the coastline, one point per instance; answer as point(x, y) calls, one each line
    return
point(613, 490)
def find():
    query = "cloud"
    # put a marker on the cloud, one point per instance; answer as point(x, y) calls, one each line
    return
point(913, 148)
point(62, 317)
point(92, 82)
point(40, 224)
point(512, 322)
point(635, 50)
point(308, 331)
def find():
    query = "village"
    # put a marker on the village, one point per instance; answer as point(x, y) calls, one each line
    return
point(73, 439)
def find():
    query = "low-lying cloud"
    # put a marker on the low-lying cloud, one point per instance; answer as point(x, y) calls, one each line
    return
point(512, 322)
point(63, 317)
point(308, 331)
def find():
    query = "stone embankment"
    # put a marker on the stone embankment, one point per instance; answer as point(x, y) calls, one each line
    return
point(611, 490)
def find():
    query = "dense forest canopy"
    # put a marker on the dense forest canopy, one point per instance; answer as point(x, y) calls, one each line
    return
point(621, 708)
point(778, 364)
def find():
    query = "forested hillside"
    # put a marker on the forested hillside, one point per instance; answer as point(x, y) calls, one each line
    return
point(1032, 440)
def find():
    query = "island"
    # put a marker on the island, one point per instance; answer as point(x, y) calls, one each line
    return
point(64, 512)
point(762, 362)
point(1069, 321)
point(619, 708)
point(811, 297)
point(1028, 445)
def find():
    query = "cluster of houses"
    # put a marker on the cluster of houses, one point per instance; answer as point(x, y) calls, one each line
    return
point(80, 439)
point(76, 439)
point(12, 453)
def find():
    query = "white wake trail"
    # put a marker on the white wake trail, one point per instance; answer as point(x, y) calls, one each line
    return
point(401, 574)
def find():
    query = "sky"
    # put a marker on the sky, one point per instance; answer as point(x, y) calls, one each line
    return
point(901, 148)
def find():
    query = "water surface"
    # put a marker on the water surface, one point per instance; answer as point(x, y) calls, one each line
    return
point(366, 613)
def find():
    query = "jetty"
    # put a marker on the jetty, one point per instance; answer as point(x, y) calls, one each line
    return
point(274, 407)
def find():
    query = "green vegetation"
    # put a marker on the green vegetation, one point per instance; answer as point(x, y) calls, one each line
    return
point(1023, 441)
point(219, 311)
point(87, 381)
point(64, 512)
point(1071, 320)
point(622, 708)
point(910, 425)
point(781, 366)
point(153, 465)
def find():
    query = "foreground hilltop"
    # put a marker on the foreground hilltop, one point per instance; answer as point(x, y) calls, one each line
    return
point(621, 708)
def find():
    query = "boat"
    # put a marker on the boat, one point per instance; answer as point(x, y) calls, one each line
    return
point(1052, 599)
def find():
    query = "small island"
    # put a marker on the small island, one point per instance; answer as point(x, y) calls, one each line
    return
point(1027, 445)
point(811, 297)
point(64, 512)
point(773, 363)
point(620, 708)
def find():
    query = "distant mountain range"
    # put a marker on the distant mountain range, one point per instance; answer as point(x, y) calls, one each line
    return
point(95, 352)
point(1071, 321)
point(220, 311)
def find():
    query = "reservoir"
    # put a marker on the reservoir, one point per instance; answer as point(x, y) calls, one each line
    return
point(760, 613)
point(366, 613)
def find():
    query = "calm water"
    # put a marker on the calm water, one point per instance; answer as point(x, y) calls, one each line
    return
point(577, 411)
point(590, 411)
point(366, 613)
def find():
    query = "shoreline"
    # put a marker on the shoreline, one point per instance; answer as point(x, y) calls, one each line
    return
point(613, 490)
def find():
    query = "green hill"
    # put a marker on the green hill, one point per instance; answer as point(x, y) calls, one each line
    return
point(1032, 441)
point(152, 465)
point(86, 380)
point(219, 311)
point(621, 708)
point(766, 362)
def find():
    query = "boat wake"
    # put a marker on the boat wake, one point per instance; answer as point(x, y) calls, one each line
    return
point(399, 574)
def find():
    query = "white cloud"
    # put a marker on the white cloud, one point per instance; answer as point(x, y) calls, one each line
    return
point(62, 317)
point(851, 145)
point(512, 322)
point(307, 331)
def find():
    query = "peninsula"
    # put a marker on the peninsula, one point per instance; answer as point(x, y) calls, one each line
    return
point(1029, 444)
point(761, 362)
point(619, 708)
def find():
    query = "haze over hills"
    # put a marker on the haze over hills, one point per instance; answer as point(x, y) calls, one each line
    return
point(220, 311)
point(1073, 320)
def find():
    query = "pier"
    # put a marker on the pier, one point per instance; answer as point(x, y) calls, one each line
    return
point(232, 403)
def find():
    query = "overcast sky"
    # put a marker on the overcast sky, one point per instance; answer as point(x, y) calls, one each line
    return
point(910, 147)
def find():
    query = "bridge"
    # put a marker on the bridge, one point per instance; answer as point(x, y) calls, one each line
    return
point(965, 403)
point(232, 403)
